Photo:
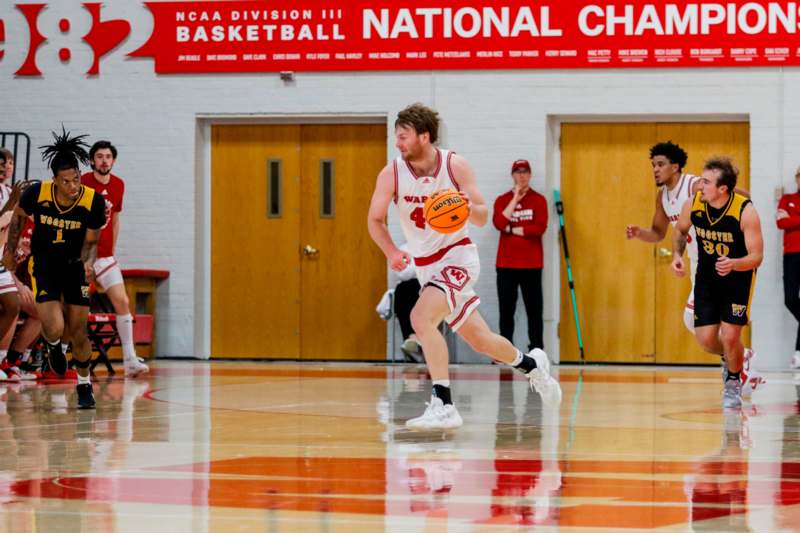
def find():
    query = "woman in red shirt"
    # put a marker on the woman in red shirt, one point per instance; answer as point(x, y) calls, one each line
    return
point(788, 218)
point(521, 217)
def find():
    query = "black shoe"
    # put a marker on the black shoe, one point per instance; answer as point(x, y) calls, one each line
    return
point(58, 361)
point(27, 366)
point(85, 396)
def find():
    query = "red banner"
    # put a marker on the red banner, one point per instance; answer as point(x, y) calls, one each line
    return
point(323, 35)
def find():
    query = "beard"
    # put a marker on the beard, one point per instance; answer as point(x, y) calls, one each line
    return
point(103, 171)
point(413, 154)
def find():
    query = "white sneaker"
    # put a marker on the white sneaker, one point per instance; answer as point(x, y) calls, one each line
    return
point(732, 394)
point(410, 345)
point(795, 363)
point(437, 415)
point(751, 378)
point(135, 367)
point(22, 374)
point(541, 380)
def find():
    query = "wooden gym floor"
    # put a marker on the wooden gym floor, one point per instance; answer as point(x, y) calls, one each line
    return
point(207, 447)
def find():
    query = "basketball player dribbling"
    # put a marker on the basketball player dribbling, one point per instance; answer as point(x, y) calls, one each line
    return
point(447, 264)
point(675, 187)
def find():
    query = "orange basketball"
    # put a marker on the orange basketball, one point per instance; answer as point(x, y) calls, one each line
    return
point(446, 211)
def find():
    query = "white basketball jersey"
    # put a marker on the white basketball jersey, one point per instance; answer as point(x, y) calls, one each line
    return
point(672, 202)
point(411, 191)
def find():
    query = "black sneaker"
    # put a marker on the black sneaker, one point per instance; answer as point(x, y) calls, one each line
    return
point(28, 366)
point(58, 361)
point(85, 396)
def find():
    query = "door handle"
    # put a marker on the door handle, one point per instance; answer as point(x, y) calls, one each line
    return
point(309, 250)
point(664, 252)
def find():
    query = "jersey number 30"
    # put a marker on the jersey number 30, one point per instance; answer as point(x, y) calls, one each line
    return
point(721, 250)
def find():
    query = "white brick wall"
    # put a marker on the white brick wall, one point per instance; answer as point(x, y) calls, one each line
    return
point(490, 117)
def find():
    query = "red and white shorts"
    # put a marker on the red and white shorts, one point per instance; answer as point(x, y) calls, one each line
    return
point(7, 283)
point(107, 272)
point(456, 274)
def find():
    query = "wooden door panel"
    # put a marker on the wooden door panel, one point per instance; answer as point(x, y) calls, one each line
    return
point(603, 191)
point(674, 344)
point(611, 318)
point(343, 282)
point(255, 282)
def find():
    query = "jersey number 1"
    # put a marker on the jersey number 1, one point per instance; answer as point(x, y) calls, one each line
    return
point(418, 216)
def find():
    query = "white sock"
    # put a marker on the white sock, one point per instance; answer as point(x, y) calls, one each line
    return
point(83, 380)
point(442, 382)
point(125, 329)
point(64, 347)
point(3, 355)
point(26, 355)
point(518, 358)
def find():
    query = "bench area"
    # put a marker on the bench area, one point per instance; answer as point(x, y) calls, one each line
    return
point(140, 284)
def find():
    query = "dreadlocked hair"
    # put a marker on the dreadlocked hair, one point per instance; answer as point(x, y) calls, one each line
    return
point(66, 152)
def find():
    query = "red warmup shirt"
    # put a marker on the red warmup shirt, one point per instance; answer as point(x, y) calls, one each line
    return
point(113, 191)
point(524, 251)
point(790, 225)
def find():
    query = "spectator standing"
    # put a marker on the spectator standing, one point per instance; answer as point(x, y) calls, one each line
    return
point(788, 219)
point(520, 215)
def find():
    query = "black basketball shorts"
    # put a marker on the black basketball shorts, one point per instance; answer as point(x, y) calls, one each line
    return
point(56, 280)
point(723, 298)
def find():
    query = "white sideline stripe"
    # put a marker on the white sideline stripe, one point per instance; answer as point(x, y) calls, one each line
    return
point(706, 380)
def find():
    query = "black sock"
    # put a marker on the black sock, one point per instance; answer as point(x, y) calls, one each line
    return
point(443, 393)
point(527, 364)
point(14, 357)
point(733, 375)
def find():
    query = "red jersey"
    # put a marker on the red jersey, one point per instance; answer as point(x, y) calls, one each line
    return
point(112, 192)
point(790, 225)
point(515, 251)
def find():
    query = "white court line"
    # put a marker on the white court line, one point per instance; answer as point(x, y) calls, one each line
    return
point(770, 380)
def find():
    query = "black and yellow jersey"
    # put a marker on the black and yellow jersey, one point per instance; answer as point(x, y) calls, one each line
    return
point(719, 231)
point(59, 231)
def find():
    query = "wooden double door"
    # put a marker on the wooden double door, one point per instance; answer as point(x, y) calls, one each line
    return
point(630, 303)
point(294, 273)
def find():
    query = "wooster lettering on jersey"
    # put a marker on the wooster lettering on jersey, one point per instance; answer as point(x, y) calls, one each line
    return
point(59, 223)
